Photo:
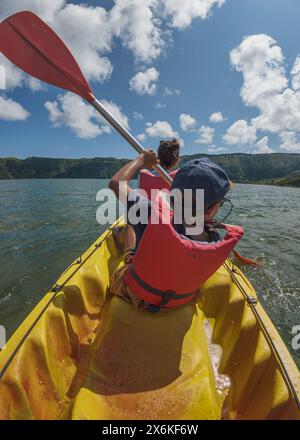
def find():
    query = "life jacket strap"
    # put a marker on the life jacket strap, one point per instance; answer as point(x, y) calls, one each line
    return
point(165, 295)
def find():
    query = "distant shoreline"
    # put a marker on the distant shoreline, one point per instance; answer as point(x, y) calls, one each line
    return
point(277, 169)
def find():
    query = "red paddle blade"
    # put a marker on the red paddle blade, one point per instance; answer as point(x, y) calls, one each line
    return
point(29, 43)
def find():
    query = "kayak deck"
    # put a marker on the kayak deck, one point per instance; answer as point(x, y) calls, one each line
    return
point(84, 354)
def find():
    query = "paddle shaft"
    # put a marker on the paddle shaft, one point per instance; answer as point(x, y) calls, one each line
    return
point(128, 136)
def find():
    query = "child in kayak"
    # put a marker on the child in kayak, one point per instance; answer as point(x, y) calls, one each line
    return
point(168, 157)
point(167, 266)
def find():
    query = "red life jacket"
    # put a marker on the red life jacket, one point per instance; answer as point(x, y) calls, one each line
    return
point(149, 181)
point(167, 270)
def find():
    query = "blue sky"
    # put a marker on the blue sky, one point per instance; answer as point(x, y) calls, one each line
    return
point(192, 60)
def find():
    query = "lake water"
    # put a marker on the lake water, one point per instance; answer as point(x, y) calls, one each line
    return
point(46, 224)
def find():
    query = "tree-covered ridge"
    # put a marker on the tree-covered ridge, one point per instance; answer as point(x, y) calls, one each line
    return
point(276, 168)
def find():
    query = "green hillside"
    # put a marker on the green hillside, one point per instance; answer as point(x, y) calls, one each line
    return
point(276, 168)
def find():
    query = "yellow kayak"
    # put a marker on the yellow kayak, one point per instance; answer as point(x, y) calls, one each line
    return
point(85, 354)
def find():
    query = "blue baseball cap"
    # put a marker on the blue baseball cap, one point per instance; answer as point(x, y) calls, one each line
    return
point(204, 174)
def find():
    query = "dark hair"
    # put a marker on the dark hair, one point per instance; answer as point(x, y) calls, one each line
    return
point(168, 152)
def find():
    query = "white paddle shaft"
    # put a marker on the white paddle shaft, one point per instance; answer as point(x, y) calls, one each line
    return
point(128, 136)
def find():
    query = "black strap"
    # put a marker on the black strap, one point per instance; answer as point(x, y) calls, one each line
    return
point(166, 295)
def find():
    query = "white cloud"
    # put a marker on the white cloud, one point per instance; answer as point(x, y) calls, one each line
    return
point(144, 83)
point(14, 77)
point(88, 33)
point(187, 122)
point(290, 143)
point(11, 110)
point(160, 105)
point(141, 137)
point(2, 78)
point(265, 86)
point(206, 135)
point(35, 85)
point(161, 129)
point(135, 23)
point(140, 23)
point(138, 116)
point(260, 60)
point(116, 111)
point(171, 92)
point(71, 111)
point(182, 12)
point(280, 112)
point(45, 9)
point(217, 117)
point(295, 72)
point(262, 146)
point(214, 149)
point(240, 133)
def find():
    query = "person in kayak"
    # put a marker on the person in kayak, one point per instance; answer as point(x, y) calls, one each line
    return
point(168, 266)
point(149, 179)
point(168, 157)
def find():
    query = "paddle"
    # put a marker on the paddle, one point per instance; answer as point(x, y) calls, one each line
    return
point(29, 43)
point(34, 47)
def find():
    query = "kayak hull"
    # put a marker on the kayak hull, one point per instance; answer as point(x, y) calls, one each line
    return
point(85, 354)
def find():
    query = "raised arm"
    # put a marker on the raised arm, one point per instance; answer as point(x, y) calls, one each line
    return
point(145, 160)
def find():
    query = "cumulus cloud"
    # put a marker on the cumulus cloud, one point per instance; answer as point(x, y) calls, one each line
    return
point(160, 129)
point(83, 120)
point(160, 105)
point(182, 13)
point(240, 133)
point(45, 9)
point(187, 122)
point(2, 78)
point(141, 137)
point(138, 116)
point(137, 26)
point(14, 77)
point(206, 135)
point(115, 110)
point(262, 146)
point(217, 117)
point(88, 33)
point(171, 92)
point(289, 142)
point(214, 149)
point(140, 23)
point(144, 83)
point(11, 110)
point(295, 72)
point(261, 61)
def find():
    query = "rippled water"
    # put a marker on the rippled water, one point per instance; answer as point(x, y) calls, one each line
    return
point(46, 224)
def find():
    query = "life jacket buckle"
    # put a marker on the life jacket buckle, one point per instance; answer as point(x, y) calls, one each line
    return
point(165, 298)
